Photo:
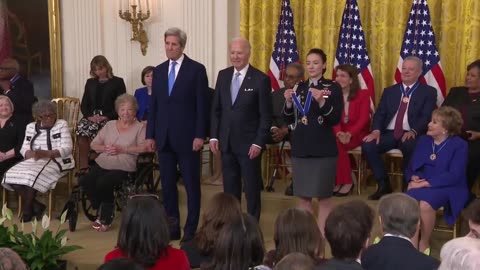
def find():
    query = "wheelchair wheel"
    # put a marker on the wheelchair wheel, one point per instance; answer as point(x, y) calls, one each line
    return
point(88, 210)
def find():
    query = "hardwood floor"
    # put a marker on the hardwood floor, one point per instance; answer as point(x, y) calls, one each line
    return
point(96, 244)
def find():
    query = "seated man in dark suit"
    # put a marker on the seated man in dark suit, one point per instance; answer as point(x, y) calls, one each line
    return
point(279, 130)
point(401, 117)
point(347, 229)
point(400, 222)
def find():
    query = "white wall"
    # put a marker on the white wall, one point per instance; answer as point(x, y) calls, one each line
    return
point(92, 27)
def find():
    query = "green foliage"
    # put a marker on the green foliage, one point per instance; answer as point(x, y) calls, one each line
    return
point(39, 251)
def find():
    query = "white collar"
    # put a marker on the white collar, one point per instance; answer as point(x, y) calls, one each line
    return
point(243, 72)
point(179, 60)
point(398, 236)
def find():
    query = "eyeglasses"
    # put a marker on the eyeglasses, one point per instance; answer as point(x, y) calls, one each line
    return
point(48, 116)
point(143, 195)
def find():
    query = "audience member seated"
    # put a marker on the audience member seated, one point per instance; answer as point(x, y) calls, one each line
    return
point(142, 95)
point(399, 216)
point(19, 90)
point(47, 149)
point(239, 246)
point(9, 260)
point(144, 238)
point(353, 127)
point(296, 231)
point(436, 173)
point(460, 254)
point(11, 136)
point(118, 143)
point(466, 99)
point(120, 264)
point(97, 105)
point(472, 214)
point(402, 115)
point(348, 229)
point(295, 261)
point(222, 209)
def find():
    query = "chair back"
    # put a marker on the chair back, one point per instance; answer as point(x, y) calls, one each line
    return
point(68, 108)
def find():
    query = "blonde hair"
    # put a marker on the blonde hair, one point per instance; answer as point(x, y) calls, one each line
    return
point(8, 100)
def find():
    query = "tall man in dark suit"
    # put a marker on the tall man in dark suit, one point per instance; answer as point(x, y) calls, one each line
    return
point(18, 89)
point(240, 124)
point(400, 221)
point(177, 125)
point(402, 115)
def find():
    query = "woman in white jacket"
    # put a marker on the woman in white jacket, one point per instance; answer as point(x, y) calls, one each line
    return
point(47, 149)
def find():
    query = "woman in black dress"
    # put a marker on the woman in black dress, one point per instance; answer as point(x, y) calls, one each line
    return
point(313, 108)
point(97, 105)
point(11, 138)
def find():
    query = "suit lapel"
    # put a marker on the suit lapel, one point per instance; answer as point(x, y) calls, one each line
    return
point(180, 75)
point(245, 83)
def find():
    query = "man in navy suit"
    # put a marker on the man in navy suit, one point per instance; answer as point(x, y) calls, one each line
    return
point(402, 115)
point(240, 124)
point(400, 222)
point(177, 126)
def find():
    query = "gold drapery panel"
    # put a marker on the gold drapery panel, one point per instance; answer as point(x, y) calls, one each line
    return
point(456, 25)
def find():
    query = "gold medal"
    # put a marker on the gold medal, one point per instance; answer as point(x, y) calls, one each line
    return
point(304, 120)
point(405, 99)
point(433, 157)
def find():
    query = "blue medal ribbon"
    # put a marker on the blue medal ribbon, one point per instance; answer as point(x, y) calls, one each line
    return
point(303, 110)
point(410, 92)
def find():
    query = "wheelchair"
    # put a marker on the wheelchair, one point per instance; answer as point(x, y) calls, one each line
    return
point(138, 182)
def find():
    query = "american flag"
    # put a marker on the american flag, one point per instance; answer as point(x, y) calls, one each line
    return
point(285, 48)
point(419, 40)
point(351, 48)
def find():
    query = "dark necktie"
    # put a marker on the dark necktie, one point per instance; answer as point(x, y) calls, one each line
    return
point(398, 129)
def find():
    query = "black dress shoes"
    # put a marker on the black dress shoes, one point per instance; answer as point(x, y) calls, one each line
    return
point(382, 190)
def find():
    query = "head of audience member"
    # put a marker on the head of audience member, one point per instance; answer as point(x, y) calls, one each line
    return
point(100, 68)
point(46, 112)
point(240, 53)
point(472, 214)
point(6, 107)
point(460, 254)
point(399, 214)
point(412, 68)
point(446, 121)
point(239, 246)
point(9, 260)
point(293, 74)
point(295, 261)
point(472, 79)
point(126, 107)
point(121, 264)
point(222, 209)
point(346, 76)
point(296, 230)
point(175, 41)
point(9, 68)
point(348, 228)
point(144, 236)
point(316, 63)
point(147, 76)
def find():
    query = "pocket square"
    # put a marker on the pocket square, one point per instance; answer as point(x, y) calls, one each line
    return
point(248, 89)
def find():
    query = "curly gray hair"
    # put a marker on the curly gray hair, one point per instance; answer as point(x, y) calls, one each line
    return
point(43, 106)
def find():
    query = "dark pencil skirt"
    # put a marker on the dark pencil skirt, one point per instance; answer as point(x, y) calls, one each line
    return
point(314, 177)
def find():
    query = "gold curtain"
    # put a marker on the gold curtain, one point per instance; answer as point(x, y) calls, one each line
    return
point(456, 24)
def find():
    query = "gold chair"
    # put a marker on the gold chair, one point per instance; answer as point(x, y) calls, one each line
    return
point(394, 158)
point(68, 108)
point(275, 156)
point(360, 166)
point(50, 200)
point(442, 227)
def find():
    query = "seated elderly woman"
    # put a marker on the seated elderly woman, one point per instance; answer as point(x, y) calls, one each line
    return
point(11, 136)
point(296, 231)
point(47, 149)
point(144, 238)
point(436, 174)
point(118, 143)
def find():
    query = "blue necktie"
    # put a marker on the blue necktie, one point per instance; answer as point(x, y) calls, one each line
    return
point(171, 77)
point(235, 86)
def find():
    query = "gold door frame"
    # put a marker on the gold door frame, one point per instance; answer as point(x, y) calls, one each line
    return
point(55, 48)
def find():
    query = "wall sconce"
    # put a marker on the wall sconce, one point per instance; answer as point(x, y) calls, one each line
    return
point(136, 20)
